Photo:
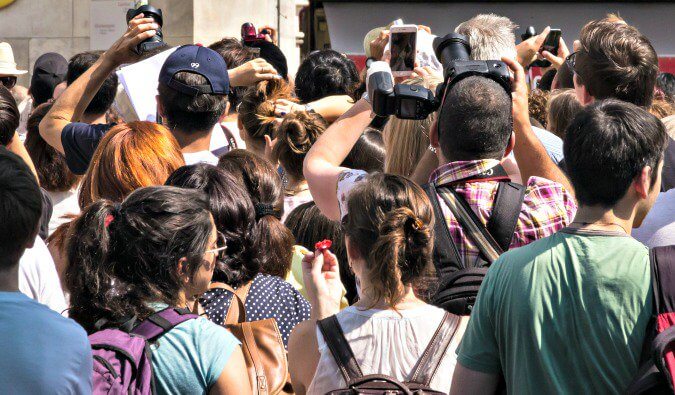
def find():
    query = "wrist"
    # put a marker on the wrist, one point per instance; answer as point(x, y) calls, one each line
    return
point(325, 309)
point(233, 75)
point(108, 62)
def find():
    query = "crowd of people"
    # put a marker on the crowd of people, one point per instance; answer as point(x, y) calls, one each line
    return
point(210, 224)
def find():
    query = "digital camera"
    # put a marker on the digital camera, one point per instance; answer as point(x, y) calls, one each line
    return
point(155, 41)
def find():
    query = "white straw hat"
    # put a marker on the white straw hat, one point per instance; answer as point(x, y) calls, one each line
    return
point(7, 63)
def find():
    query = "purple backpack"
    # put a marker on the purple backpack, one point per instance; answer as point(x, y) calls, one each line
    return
point(122, 357)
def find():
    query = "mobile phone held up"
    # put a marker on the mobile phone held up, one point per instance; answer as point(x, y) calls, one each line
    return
point(551, 44)
point(403, 42)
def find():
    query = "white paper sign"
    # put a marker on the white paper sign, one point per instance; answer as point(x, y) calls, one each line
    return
point(107, 22)
point(140, 83)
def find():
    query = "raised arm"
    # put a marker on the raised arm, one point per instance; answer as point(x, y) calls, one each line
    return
point(329, 107)
point(16, 146)
point(322, 163)
point(532, 158)
point(70, 106)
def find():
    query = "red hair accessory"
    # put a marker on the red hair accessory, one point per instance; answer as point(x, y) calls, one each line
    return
point(323, 245)
point(108, 219)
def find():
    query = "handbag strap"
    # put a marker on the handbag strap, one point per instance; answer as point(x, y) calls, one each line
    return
point(506, 210)
point(236, 313)
point(432, 357)
point(446, 255)
point(339, 347)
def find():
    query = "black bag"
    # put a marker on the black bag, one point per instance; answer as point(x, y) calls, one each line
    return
point(421, 376)
point(658, 361)
point(459, 281)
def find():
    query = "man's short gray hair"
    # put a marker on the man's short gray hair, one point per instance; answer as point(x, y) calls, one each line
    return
point(490, 36)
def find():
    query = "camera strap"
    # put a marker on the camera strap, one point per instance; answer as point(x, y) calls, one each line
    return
point(491, 239)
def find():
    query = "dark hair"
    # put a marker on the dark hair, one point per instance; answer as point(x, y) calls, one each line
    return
point(51, 167)
point(9, 116)
point(564, 77)
point(607, 146)
point(562, 107)
point(20, 208)
point(546, 80)
point(256, 111)
point(272, 55)
point(187, 113)
point(325, 73)
point(475, 122)
point(368, 153)
point(616, 61)
point(234, 216)
point(264, 187)
point(390, 223)
point(666, 83)
point(537, 102)
point(295, 136)
point(235, 54)
point(310, 226)
point(115, 271)
point(105, 96)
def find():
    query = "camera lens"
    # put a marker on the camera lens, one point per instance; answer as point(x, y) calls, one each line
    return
point(450, 48)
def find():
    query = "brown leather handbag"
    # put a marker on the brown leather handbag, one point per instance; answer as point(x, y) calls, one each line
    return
point(261, 343)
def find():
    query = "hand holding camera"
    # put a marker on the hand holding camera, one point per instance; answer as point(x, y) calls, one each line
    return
point(124, 50)
point(251, 72)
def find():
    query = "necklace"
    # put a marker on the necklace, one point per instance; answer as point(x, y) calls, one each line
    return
point(602, 224)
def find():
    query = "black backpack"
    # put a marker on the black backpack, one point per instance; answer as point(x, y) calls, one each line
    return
point(358, 383)
point(657, 369)
point(459, 282)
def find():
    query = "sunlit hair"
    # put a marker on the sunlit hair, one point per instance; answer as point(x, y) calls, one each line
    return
point(406, 140)
point(490, 36)
point(256, 111)
point(130, 156)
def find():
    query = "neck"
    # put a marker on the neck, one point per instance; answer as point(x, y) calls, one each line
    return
point(256, 148)
point(93, 119)
point(295, 186)
point(408, 301)
point(603, 217)
point(9, 278)
point(232, 117)
point(193, 142)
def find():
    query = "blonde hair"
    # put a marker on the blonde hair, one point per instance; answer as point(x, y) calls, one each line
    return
point(406, 140)
point(490, 36)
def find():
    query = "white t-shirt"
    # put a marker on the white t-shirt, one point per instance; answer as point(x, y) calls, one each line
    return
point(65, 206)
point(658, 227)
point(38, 278)
point(387, 343)
point(192, 158)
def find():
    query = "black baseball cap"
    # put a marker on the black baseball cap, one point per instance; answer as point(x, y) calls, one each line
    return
point(273, 55)
point(199, 60)
point(50, 69)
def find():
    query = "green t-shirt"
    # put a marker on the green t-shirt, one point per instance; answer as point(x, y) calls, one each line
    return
point(565, 314)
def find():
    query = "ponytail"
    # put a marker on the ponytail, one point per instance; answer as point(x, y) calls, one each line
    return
point(399, 255)
point(88, 276)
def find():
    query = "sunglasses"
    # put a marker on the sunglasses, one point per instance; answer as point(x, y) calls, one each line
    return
point(8, 81)
point(219, 251)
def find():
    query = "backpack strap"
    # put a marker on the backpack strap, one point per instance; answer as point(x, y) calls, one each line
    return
point(432, 357)
point(161, 322)
point(339, 347)
point(446, 255)
point(506, 210)
point(661, 346)
point(662, 260)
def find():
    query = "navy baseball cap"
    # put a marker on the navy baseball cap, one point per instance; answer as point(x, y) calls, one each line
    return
point(199, 60)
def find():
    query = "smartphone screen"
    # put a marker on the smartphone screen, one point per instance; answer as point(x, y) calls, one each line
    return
point(552, 41)
point(403, 51)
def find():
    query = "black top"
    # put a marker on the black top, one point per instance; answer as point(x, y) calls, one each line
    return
point(268, 297)
point(79, 142)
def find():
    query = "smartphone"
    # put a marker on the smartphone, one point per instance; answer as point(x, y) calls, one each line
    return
point(551, 44)
point(403, 44)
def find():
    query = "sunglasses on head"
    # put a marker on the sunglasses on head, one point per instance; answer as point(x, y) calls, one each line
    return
point(8, 81)
point(221, 247)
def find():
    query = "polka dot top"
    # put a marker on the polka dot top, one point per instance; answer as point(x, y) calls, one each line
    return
point(268, 297)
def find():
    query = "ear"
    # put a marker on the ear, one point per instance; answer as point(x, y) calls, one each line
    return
point(225, 113)
point(433, 135)
point(642, 182)
point(182, 270)
point(510, 144)
point(160, 108)
point(583, 96)
point(240, 125)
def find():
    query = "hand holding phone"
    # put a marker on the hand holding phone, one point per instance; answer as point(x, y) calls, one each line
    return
point(403, 41)
point(551, 45)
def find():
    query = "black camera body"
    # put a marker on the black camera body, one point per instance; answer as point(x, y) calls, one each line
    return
point(155, 41)
point(416, 102)
point(250, 35)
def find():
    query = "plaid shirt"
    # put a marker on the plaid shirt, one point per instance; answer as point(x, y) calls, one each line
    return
point(547, 206)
